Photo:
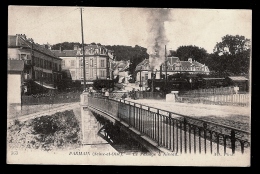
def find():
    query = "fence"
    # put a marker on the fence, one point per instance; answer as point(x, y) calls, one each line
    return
point(136, 95)
point(51, 99)
point(176, 132)
point(150, 95)
point(233, 99)
point(208, 92)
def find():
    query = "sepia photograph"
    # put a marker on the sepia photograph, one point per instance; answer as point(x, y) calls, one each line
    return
point(129, 86)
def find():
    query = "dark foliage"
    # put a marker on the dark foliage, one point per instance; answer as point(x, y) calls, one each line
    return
point(194, 52)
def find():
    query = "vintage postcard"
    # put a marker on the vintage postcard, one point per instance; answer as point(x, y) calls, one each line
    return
point(129, 86)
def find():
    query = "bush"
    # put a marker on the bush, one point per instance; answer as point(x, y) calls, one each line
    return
point(47, 132)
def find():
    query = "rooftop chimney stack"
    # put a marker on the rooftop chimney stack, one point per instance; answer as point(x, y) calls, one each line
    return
point(76, 47)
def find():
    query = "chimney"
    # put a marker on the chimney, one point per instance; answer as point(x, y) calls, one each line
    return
point(60, 48)
point(190, 60)
point(161, 71)
point(76, 47)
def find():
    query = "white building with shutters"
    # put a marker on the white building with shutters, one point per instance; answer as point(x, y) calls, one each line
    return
point(98, 62)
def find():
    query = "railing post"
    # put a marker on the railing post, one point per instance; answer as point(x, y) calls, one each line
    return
point(129, 113)
point(134, 114)
point(170, 136)
point(233, 141)
point(158, 127)
point(185, 138)
point(205, 136)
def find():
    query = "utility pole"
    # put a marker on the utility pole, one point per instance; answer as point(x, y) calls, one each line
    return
point(165, 68)
point(140, 78)
point(84, 70)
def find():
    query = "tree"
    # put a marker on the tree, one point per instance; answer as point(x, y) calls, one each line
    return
point(231, 45)
point(194, 52)
point(231, 56)
point(173, 53)
point(65, 45)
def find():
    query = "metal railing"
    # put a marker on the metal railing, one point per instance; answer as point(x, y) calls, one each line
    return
point(178, 133)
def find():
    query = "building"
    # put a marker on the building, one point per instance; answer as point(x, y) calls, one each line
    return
point(15, 78)
point(173, 66)
point(239, 81)
point(98, 62)
point(120, 68)
point(42, 69)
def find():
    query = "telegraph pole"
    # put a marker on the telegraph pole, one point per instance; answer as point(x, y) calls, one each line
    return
point(165, 67)
point(84, 70)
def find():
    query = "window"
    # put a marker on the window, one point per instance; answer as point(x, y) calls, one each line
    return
point(102, 63)
point(102, 73)
point(23, 56)
point(91, 63)
point(81, 62)
point(81, 73)
point(72, 63)
point(36, 61)
point(73, 74)
point(146, 76)
point(36, 75)
point(55, 67)
point(91, 73)
point(41, 63)
point(63, 63)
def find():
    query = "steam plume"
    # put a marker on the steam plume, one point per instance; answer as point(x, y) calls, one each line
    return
point(156, 36)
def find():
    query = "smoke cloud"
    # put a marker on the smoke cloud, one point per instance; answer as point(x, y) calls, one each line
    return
point(156, 36)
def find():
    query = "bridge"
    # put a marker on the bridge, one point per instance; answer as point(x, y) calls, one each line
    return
point(164, 131)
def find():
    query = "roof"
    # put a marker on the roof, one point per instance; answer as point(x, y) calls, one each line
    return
point(145, 63)
point(49, 86)
point(237, 78)
point(120, 64)
point(213, 78)
point(185, 63)
point(15, 65)
point(24, 42)
point(197, 63)
point(173, 60)
point(65, 53)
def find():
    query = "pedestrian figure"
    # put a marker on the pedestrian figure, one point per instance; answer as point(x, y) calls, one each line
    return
point(106, 94)
point(236, 88)
point(124, 96)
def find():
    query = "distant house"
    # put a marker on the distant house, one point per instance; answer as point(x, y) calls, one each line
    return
point(240, 81)
point(120, 68)
point(15, 78)
point(174, 66)
point(98, 62)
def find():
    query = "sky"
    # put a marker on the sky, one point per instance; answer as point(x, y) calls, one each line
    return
point(128, 26)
